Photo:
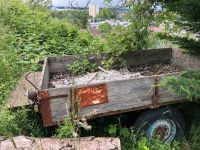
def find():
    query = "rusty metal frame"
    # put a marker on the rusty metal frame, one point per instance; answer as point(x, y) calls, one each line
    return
point(45, 108)
point(155, 96)
point(44, 101)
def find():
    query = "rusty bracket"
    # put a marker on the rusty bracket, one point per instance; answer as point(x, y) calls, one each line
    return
point(44, 106)
point(155, 95)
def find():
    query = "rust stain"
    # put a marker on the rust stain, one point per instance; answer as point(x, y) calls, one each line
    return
point(155, 95)
point(92, 95)
point(45, 109)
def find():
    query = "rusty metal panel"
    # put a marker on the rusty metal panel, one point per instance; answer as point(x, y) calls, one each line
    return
point(92, 95)
point(155, 95)
point(45, 109)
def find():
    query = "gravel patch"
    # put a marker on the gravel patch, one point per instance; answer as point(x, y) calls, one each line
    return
point(64, 80)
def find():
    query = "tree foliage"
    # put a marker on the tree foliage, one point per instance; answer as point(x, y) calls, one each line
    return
point(107, 13)
point(105, 28)
point(77, 17)
point(187, 9)
point(187, 85)
point(136, 35)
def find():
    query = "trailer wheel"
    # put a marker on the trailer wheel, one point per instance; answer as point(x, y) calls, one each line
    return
point(165, 122)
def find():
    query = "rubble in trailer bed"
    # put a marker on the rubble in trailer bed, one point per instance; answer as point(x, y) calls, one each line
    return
point(64, 79)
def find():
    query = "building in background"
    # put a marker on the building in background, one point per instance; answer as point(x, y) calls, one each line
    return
point(93, 10)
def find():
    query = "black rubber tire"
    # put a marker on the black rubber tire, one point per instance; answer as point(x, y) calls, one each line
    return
point(149, 117)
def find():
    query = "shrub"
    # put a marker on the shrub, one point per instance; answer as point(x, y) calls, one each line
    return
point(65, 129)
point(105, 28)
point(187, 85)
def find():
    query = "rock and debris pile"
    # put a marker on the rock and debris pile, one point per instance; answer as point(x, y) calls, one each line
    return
point(63, 79)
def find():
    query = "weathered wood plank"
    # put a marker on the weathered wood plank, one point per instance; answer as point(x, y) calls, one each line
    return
point(18, 97)
point(59, 64)
point(132, 58)
point(185, 60)
point(59, 91)
point(145, 57)
point(124, 95)
point(59, 115)
point(44, 83)
point(59, 106)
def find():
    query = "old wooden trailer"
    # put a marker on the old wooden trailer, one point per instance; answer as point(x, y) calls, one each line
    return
point(118, 96)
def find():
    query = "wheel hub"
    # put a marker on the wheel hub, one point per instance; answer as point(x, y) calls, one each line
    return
point(165, 129)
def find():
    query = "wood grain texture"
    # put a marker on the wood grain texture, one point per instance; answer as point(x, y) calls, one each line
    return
point(132, 58)
point(60, 107)
point(166, 95)
point(18, 97)
point(184, 60)
point(59, 64)
point(123, 95)
point(44, 83)
point(145, 57)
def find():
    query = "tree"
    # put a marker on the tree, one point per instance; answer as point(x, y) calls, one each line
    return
point(107, 13)
point(187, 84)
point(77, 17)
point(105, 28)
point(39, 3)
point(187, 9)
point(140, 17)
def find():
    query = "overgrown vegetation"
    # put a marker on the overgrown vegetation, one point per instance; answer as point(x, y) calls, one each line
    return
point(187, 85)
point(77, 17)
point(28, 34)
point(65, 130)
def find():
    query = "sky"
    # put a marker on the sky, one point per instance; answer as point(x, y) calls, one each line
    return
point(81, 3)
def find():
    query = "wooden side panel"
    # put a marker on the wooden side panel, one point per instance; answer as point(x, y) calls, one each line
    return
point(184, 60)
point(59, 64)
point(165, 95)
point(144, 57)
point(133, 58)
point(59, 103)
point(123, 95)
point(44, 83)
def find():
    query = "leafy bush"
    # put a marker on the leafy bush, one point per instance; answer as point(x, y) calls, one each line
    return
point(187, 84)
point(82, 67)
point(105, 28)
point(77, 17)
point(26, 36)
point(13, 123)
point(8, 124)
point(136, 35)
point(65, 130)
point(37, 34)
point(129, 140)
point(107, 13)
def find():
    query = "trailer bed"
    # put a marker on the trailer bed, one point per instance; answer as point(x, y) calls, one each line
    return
point(107, 98)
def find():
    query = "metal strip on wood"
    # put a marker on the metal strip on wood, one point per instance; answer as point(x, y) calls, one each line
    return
point(155, 95)
point(45, 109)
